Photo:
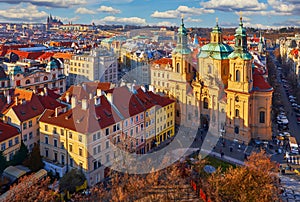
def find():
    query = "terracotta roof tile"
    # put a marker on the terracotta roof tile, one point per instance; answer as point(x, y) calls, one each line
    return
point(7, 131)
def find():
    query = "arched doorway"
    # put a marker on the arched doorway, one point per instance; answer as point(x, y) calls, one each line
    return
point(204, 121)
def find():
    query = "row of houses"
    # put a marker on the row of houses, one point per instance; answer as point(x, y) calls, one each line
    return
point(84, 127)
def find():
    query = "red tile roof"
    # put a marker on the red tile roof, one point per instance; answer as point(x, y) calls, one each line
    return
point(29, 104)
point(26, 55)
point(84, 121)
point(163, 61)
point(7, 131)
point(45, 55)
point(259, 82)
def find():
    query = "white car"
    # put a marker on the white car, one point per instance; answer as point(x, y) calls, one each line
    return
point(292, 97)
point(292, 100)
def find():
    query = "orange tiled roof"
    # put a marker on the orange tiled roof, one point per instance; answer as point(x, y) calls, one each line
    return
point(163, 61)
point(66, 56)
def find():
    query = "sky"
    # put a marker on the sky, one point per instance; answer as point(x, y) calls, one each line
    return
point(196, 13)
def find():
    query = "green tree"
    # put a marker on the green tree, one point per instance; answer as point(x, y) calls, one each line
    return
point(34, 161)
point(71, 179)
point(20, 155)
point(3, 162)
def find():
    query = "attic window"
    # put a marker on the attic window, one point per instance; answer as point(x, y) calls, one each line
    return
point(34, 108)
point(23, 113)
point(107, 112)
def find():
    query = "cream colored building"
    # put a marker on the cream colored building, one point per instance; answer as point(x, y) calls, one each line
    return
point(100, 64)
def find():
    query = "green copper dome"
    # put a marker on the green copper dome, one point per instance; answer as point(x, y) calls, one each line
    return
point(52, 65)
point(16, 70)
point(217, 51)
point(182, 45)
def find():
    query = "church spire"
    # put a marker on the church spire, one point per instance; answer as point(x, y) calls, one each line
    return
point(216, 34)
point(182, 44)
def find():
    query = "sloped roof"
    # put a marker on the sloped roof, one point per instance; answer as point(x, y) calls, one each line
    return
point(7, 131)
point(259, 82)
point(84, 121)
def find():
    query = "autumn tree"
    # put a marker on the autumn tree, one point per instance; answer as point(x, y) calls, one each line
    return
point(256, 181)
point(31, 189)
point(20, 155)
point(34, 161)
point(3, 162)
point(70, 180)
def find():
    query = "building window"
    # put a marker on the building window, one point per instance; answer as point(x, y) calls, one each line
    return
point(237, 75)
point(261, 117)
point(70, 148)
point(178, 68)
point(17, 140)
point(46, 127)
point(236, 130)
point(10, 143)
point(46, 139)
point(30, 135)
point(30, 124)
point(46, 152)
point(55, 143)
point(70, 135)
point(24, 126)
point(27, 81)
point(107, 158)
point(95, 137)
point(80, 152)
point(205, 103)
point(107, 144)
point(237, 113)
point(107, 131)
point(80, 138)
point(61, 131)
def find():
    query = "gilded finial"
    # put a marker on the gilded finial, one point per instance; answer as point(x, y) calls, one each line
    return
point(241, 15)
point(217, 20)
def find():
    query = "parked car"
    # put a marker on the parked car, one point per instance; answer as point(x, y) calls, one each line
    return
point(292, 97)
point(292, 100)
point(298, 120)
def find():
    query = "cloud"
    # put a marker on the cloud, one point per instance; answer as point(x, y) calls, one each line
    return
point(124, 21)
point(172, 14)
point(289, 22)
point(189, 19)
point(82, 10)
point(48, 3)
point(234, 5)
point(117, 1)
point(288, 7)
point(21, 14)
point(265, 13)
point(108, 9)
point(68, 19)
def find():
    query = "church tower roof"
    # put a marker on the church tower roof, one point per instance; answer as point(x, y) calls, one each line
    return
point(241, 49)
point(182, 45)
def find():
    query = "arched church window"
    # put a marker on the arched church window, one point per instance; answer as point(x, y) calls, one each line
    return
point(178, 68)
point(209, 69)
point(237, 75)
point(205, 103)
point(27, 81)
point(215, 38)
point(261, 117)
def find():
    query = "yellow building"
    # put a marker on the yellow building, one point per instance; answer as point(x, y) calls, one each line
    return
point(80, 138)
point(25, 109)
point(10, 140)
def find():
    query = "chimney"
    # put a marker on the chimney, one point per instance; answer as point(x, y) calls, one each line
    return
point(84, 86)
point(109, 97)
point(99, 92)
point(5, 93)
point(16, 100)
point(67, 97)
point(97, 100)
point(73, 102)
point(45, 91)
point(84, 104)
point(57, 111)
point(8, 99)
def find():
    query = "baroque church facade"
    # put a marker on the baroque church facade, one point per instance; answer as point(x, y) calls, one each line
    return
point(224, 91)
